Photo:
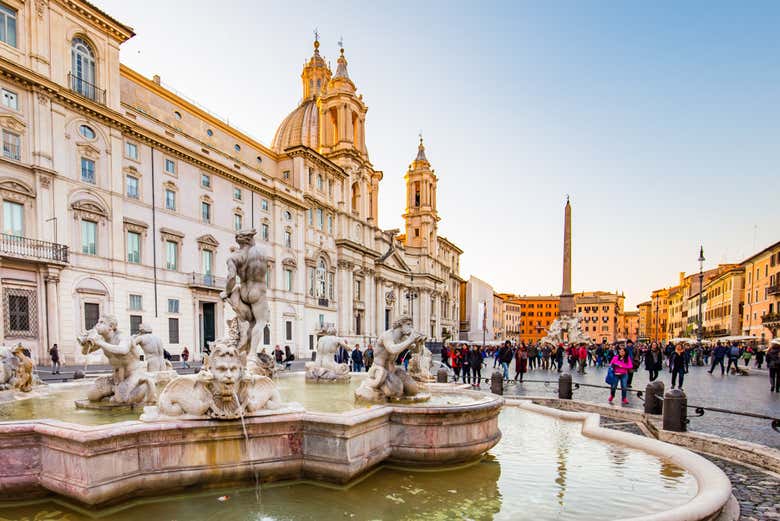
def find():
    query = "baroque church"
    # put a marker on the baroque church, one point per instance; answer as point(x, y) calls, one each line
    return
point(121, 196)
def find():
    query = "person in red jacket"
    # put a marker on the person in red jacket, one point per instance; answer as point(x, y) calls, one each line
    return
point(582, 358)
point(621, 363)
point(521, 361)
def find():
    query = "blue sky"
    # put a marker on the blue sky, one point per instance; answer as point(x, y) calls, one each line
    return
point(661, 119)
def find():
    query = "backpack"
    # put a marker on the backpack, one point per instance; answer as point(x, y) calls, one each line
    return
point(734, 351)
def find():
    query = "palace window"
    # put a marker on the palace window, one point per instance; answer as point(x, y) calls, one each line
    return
point(207, 261)
point(83, 69)
point(288, 279)
point(170, 199)
point(10, 99)
point(7, 25)
point(173, 305)
point(136, 302)
point(13, 218)
point(264, 205)
point(131, 150)
point(330, 223)
point(91, 315)
point(264, 231)
point(88, 237)
point(171, 255)
point(134, 247)
point(87, 132)
point(18, 311)
point(319, 182)
point(287, 215)
point(287, 239)
point(170, 166)
point(205, 180)
point(12, 145)
point(205, 212)
point(288, 328)
point(132, 186)
point(237, 193)
point(238, 221)
point(320, 221)
point(173, 330)
point(321, 279)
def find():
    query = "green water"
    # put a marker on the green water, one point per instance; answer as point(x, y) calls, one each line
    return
point(542, 469)
point(57, 402)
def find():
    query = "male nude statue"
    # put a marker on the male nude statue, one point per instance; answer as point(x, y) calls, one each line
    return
point(152, 346)
point(385, 379)
point(246, 291)
point(130, 383)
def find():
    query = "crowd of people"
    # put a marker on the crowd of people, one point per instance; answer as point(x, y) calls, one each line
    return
point(622, 359)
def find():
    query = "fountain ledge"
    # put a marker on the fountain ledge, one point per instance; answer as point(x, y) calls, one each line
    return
point(98, 465)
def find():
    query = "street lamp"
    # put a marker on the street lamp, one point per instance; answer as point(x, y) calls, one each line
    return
point(701, 290)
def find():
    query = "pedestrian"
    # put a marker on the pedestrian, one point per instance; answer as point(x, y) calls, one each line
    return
point(620, 364)
point(654, 361)
point(734, 353)
point(559, 357)
point(773, 364)
point(185, 356)
point(747, 354)
point(533, 356)
point(679, 362)
point(465, 367)
point(475, 363)
point(600, 354)
point(546, 357)
point(505, 357)
point(635, 361)
point(521, 362)
point(582, 358)
point(288, 357)
point(341, 356)
point(368, 357)
point(455, 361)
point(668, 352)
point(445, 356)
point(54, 353)
point(718, 354)
point(357, 359)
point(279, 355)
point(497, 356)
point(760, 354)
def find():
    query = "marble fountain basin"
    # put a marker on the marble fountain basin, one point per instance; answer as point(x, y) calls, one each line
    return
point(327, 439)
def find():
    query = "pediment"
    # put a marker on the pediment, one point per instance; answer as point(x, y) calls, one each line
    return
point(16, 187)
point(11, 122)
point(88, 151)
point(208, 240)
point(395, 260)
point(90, 207)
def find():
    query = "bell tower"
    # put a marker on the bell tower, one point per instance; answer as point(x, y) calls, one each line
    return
point(421, 216)
point(316, 73)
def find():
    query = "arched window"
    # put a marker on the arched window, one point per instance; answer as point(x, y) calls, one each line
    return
point(322, 271)
point(83, 68)
point(355, 197)
point(266, 335)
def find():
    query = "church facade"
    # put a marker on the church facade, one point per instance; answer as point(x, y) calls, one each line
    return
point(121, 196)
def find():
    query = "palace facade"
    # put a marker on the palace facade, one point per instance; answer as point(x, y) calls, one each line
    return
point(120, 196)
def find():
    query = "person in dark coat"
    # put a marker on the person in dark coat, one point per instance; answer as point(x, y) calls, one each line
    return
point(54, 353)
point(654, 361)
point(475, 363)
point(357, 359)
point(521, 362)
point(679, 363)
point(773, 363)
point(505, 357)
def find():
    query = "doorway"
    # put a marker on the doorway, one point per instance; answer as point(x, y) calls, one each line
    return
point(207, 325)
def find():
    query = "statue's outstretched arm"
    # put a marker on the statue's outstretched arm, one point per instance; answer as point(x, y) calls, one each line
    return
point(122, 348)
point(403, 344)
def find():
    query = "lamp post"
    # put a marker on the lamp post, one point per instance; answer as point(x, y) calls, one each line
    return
point(701, 290)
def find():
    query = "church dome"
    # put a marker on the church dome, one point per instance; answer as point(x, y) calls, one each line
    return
point(300, 127)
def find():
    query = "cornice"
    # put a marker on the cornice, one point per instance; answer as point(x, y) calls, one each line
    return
point(352, 245)
point(316, 158)
point(88, 12)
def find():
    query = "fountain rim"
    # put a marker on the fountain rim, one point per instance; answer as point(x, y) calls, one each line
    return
point(714, 490)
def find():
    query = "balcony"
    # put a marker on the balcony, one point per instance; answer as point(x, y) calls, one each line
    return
point(207, 281)
point(771, 320)
point(25, 248)
point(323, 302)
point(85, 89)
point(774, 290)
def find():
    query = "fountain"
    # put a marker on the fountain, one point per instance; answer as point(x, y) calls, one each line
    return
point(324, 368)
point(228, 426)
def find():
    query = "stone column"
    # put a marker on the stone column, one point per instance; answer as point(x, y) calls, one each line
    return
point(52, 280)
point(567, 299)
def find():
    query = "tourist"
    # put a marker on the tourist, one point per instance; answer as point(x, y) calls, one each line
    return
point(635, 360)
point(546, 357)
point(54, 353)
point(600, 353)
point(368, 357)
point(521, 362)
point(706, 352)
point(747, 354)
point(533, 356)
point(559, 357)
point(505, 357)
point(288, 357)
point(773, 364)
point(475, 363)
point(621, 363)
point(497, 356)
point(679, 362)
point(445, 356)
point(455, 362)
point(279, 355)
point(464, 364)
point(654, 361)
point(571, 357)
point(668, 352)
point(357, 359)
point(185, 356)
point(718, 354)
point(734, 353)
point(760, 354)
point(341, 356)
point(582, 358)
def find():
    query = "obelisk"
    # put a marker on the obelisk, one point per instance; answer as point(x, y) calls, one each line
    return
point(567, 298)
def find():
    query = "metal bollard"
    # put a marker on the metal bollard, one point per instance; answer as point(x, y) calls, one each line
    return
point(497, 383)
point(675, 413)
point(564, 386)
point(654, 405)
point(441, 376)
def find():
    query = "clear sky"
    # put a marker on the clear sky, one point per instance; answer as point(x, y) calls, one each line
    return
point(661, 119)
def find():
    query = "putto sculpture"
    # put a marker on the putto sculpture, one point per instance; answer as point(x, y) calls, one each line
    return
point(129, 384)
point(324, 367)
point(421, 364)
point(16, 370)
point(154, 354)
point(246, 293)
point(385, 380)
point(222, 389)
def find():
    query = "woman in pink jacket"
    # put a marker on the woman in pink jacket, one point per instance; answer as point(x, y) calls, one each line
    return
point(621, 363)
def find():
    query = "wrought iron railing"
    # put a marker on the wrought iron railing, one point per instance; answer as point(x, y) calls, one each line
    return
point(774, 290)
point(207, 280)
point(770, 317)
point(84, 88)
point(17, 246)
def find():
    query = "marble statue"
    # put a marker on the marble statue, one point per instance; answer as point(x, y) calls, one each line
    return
point(246, 292)
point(222, 389)
point(130, 383)
point(266, 365)
point(16, 370)
point(152, 347)
point(324, 367)
point(566, 330)
point(386, 381)
point(422, 362)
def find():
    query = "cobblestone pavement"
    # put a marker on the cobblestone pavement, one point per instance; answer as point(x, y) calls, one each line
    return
point(757, 492)
point(738, 393)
